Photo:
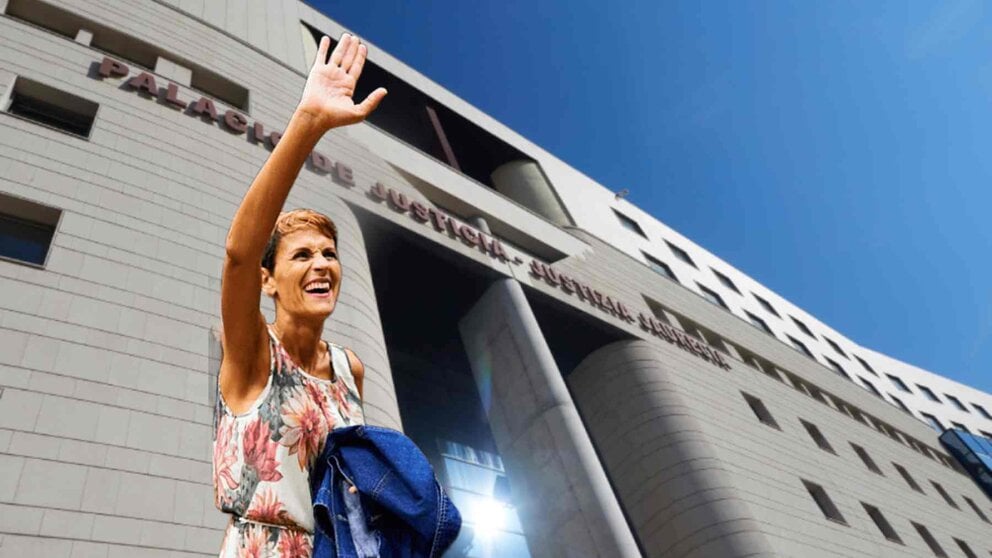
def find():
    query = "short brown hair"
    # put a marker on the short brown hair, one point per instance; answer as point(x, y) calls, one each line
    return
point(292, 221)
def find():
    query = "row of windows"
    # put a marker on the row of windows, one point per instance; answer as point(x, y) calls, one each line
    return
point(692, 328)
point(764, 416)
point(712, 296)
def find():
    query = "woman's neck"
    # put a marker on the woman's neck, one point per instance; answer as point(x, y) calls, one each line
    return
point(301, 339)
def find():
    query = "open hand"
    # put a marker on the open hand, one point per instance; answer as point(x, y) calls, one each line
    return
point(327, 95)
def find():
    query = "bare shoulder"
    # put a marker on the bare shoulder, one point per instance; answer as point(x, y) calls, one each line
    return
point(357, 368)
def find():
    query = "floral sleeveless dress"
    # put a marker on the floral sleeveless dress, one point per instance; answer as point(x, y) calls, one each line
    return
point(262, 457)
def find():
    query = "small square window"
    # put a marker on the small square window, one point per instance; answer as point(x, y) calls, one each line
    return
point(867, 460)
point(837, 367)
point(883, 524)
point(899, 383)
point(818, 437)
point(726, 281)
point(978, 510)
point(26, 230)
point(943, 493)
point(931, 542)
point(835, 346)
point(933, 422)
point(660, 267)
point(802, 327)
point(758, 323)
point(866, 366)
point(766, 305)
point(629, 223)
point(870, 387)
point(712, 296)
point(981, 410)
point(956, 402)
point(928, 393)
point(681, 254)
point(760, 411)
point(800, 346)
point(906, 476)
point(824, 502)
point(52, 107)
point(900, 404)
point(965, 548)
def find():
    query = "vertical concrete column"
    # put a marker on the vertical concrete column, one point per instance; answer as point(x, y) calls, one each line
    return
point(565, 502)
point(84, 37)
point(672, 482)
point(525, 183)
point(173, 71)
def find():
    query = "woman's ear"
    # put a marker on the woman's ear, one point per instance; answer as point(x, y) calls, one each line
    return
point(268, 283)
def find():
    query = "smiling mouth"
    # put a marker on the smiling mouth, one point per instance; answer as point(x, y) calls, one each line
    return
point(320, 288)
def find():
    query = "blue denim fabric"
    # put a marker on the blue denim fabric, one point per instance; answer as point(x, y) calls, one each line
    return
point(403, 509)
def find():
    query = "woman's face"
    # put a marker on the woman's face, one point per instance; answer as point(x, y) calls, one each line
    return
point(307, 276)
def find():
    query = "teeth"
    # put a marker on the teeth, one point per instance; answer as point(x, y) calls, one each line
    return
point(318, 285)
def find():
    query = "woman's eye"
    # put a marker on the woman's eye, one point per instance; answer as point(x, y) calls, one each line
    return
point(299, 255)
point(330, 255)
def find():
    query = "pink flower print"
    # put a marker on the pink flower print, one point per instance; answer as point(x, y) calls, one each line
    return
point(224, 457)
point(304, 428)
point(255, 543)
point(320, 399)
point(294, 544)
point(266, 508)
point(260, 451)
point(341, 396)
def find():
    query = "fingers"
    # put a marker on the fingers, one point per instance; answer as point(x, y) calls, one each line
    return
point(371, 102)
point(350, 54)
point(356, 67)
point(325, 43)
point(339, 50)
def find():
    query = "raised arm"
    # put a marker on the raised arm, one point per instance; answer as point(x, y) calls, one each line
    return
point(326, 103)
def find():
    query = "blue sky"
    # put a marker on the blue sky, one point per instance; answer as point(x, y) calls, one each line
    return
point(834, 151)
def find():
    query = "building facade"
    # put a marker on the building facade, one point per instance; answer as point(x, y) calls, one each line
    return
point(585, 380)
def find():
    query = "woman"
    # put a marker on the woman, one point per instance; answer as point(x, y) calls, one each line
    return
point(282, 388)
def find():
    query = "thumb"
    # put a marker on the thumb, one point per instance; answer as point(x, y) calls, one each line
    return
point(371, 102)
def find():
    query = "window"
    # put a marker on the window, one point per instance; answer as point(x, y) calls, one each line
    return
point(868, 461)
point(766, 305)
point(110, 40)
point(759, 323)
point(933, 422)
point(883, 524)
point(826, 505)
point(26, 230)
point(52, 107)
point(978, 510)
point(629, 224)
point(931, 542)
point(712, 296)
point(906, 476)
point(966, 549)
point(944, 494)
point(681, 254)
point(818, 437)
point(956, 402)
point(837, 367)
point(726, 281)
point(760, 411)
point(928, 393)
point(800, 346)
point(835, 346)
point(866, 366)
point(899, 383)
point(870, 386)
point(900, 404)
point(981, 410)
point(959, 426)
point(660, 267)
point(802, 327)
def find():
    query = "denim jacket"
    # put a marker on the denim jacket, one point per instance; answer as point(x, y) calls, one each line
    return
point(399, 509)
